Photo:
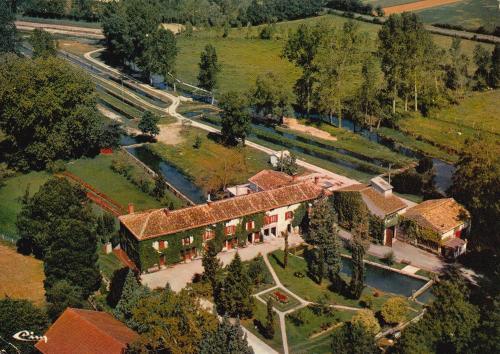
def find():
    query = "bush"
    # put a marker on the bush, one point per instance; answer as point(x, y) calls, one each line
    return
point(367, 319)
point(197, 142)
point(367, 301)
point(266, 32)
point(389, 258)
point(299, 274)
point(394, 310)
point(408, 182)
point(56, 166)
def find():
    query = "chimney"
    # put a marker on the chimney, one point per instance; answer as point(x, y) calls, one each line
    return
point(316, 180)
point(130, 208)
point(209, 200)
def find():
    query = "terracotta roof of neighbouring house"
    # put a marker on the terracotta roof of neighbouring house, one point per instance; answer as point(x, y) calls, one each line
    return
point(160, 222)
point(454, 242)
point(269, 179)
point(376, 202)
point(440, 215)
point(79, 331)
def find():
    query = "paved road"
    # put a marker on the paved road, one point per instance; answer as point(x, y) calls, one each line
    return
point(404, 251)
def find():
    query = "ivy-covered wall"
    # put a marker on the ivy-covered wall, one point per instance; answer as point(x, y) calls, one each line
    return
point(300, 215)
point(419, 235)
point(348, 205)
point(377, 229)
point(146, 257)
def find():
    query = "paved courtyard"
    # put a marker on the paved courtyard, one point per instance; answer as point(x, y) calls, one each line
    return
point(181, 274)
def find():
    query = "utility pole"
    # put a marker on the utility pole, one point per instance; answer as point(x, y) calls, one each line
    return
point(390, 166)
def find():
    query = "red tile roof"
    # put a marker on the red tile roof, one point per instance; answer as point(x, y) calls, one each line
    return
point(440, 215)
point(160, 222)
point(269, 179)
point(79, 331)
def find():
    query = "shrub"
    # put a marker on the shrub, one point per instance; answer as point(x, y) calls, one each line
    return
point(298, 318)
point(56, 166)
point(197, 142)
point(367, 301)
point(389, 258)
point(394, 310)
point(367, 319)
point(299, 274)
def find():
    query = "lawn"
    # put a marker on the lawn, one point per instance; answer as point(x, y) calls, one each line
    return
point(10, 197)
point(211, 160)
point(243, 56)
point(309, 290)
point(452, 126)
point(259, 314)
point(467, 13)
point(290, 303)
point(21, 277)
point(108, 263)
point(98, 173)
point(299, 334)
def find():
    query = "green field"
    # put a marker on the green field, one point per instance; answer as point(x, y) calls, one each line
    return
point(466, 13)
point(452, 126)
point(299, 336)
point(211, 159)
point(97, 173)
point(259, 314)
point(243, 56)
point(108, 263)
point(10, 197)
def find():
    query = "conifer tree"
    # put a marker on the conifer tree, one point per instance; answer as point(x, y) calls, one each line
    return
point(209, 68)
point(211, 265)
point(132, 293)
point(359, 245)
point(269, 328)
point(322, 233)
point(235, 297)
point(227, 339)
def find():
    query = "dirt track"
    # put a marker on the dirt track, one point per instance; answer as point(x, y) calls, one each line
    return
point(414, 6)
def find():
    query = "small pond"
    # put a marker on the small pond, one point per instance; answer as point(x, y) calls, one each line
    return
point(386, 280)
point(173, 176)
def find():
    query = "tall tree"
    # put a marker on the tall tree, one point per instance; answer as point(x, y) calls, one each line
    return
point(131, 293)
point(476, 184)
point(370, 91)
point(270, 320)
point(482, 59)
point(57, 200)
point(8, 31)
point(209, 68)
point(52, 114)
point(43, 43)
point(61, 295)
point(353, 338)
point(447, 326)
point(159, 53)
point(300, 49)
point(235, 118)
point(322, 233)
point(149, 124)
point(235, 297)
point(457, 69)
point(72, 257)
point(211, 264)
point(495, 67)
point(227, 339)
point(270, 97)
point(171, 323)
point(339, 52)
point(285, 256)
point(18, 315)
point(359, 245)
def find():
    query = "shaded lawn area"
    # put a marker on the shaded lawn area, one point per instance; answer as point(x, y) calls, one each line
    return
point(98, 173)
point(311, 291)
point(10, 197)
point(211, 159)
point(259, 314)
point(108, 263)
point(21, 277)
point(299, 335)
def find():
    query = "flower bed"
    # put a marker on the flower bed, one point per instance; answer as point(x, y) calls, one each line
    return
point(280, 297)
